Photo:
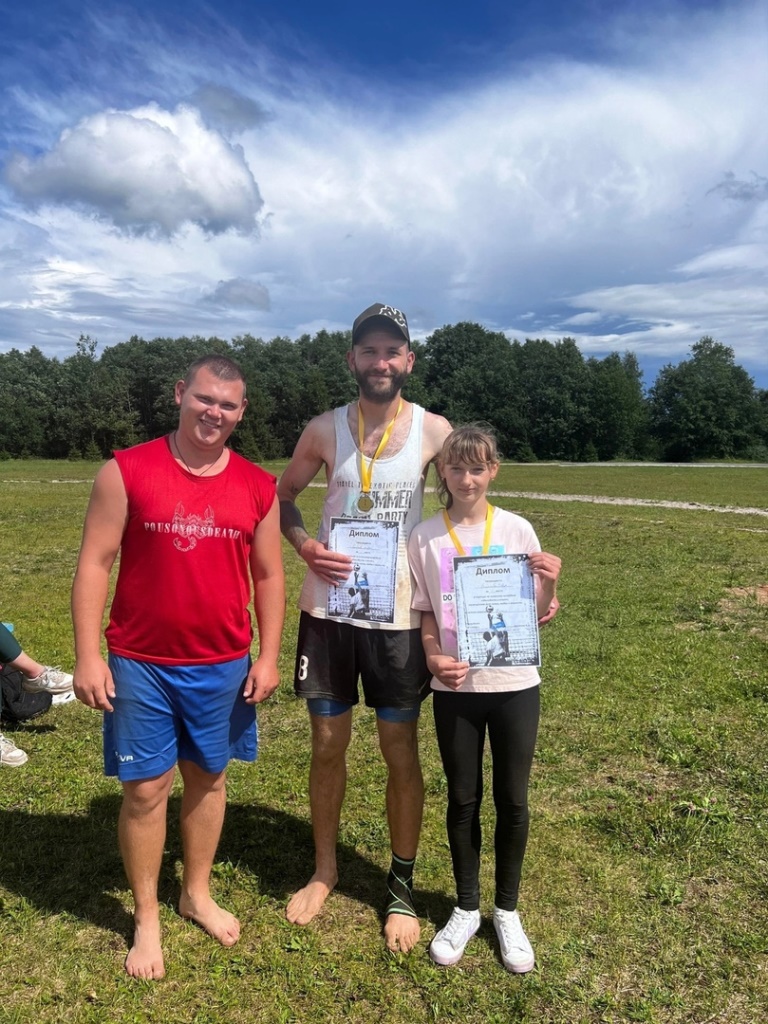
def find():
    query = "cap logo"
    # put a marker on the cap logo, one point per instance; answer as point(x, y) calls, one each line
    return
point(368, 317)
point(394, 314)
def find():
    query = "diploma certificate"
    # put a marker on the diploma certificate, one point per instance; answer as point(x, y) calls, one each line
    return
point(369, 590)
point(496, 620)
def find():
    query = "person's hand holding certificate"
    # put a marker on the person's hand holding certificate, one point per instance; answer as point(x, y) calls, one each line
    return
point(496, 621)
point(369, 590)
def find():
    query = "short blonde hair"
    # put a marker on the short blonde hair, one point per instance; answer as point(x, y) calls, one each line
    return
point(218, 366)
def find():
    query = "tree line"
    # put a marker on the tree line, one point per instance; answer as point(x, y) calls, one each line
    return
point(545, 400)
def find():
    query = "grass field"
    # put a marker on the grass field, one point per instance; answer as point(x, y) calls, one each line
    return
point(645, 889)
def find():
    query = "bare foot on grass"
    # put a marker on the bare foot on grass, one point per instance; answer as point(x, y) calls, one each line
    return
point(205, 912)
point(401, 932)
point(308, 902)
point(145, 957)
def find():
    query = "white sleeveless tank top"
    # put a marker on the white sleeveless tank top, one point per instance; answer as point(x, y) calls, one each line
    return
point(397, 491)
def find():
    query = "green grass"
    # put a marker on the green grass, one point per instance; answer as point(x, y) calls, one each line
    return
point(645, 888)
point(745, 485)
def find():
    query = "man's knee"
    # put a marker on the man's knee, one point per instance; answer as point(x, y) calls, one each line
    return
point(330, 737)
point(399, 742)
point(141, 797)
point(197, 779)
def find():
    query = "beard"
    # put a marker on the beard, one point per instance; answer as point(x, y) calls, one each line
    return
point(375, 387)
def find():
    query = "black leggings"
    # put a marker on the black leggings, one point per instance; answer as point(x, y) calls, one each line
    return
point(512, 720)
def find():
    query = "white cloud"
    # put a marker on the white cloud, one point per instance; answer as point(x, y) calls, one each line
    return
point(750, 256)
point(144, 170)
point(722, 292)
point(582, 320)
point(625, 201)
point(523, 188)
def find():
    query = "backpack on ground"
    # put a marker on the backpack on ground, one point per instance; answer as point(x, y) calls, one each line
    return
point(16, 705)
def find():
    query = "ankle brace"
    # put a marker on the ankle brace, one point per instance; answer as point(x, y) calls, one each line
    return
point(400, 886)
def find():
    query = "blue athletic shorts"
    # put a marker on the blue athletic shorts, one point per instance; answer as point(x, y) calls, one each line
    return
point(164, 713)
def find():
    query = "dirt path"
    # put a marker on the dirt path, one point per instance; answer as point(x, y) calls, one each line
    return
point(592, 499)
point(596, 499)
point(601, 499)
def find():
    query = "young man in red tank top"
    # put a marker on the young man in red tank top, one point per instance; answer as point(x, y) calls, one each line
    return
point(196, 525)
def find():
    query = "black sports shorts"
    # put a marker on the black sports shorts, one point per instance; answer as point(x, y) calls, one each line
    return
point(331, 656)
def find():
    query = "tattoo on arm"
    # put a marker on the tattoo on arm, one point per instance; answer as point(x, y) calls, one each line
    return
point(292, 525)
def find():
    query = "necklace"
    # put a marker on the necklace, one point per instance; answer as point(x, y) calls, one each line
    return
point(186, 464)
point(365, 501)
point(486, 533)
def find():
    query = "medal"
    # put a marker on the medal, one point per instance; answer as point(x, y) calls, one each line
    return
point(365, 502)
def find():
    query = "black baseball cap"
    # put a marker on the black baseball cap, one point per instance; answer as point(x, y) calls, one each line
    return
point(379, 315)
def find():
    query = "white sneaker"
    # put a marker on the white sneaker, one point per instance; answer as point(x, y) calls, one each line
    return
point(51, 680)
point(516, 950)
point(447, 947)
point(63, 698)
point(10, 754)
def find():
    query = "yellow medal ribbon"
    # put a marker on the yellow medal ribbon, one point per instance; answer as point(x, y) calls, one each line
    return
point(486, 536)
point(366, 470)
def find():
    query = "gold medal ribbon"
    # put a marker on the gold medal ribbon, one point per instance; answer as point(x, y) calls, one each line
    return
point(486, 536)
point(366, 470)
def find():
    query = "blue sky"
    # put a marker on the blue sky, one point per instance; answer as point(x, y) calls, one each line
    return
point(588, 169)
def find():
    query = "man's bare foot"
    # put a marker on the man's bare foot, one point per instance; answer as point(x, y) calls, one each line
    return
point(219, 923)
point(145, 957)
point(308, 902)
point(401, 932)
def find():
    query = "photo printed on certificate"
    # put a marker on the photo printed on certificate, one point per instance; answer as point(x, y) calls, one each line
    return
point(496, 621)
point(369, 590)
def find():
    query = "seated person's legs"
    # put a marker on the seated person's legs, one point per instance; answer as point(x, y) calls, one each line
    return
point(38, 678)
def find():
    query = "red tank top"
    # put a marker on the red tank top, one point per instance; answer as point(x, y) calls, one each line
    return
point(184, 587)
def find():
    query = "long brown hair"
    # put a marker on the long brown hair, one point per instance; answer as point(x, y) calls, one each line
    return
point(474, 444)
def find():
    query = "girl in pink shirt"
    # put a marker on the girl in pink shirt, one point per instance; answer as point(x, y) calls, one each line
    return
point(499, 694)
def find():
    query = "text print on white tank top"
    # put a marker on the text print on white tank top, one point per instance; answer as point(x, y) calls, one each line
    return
point(396, 492)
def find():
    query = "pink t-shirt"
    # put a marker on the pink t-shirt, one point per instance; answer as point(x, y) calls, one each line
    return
point(184, 585)
point(430, 555)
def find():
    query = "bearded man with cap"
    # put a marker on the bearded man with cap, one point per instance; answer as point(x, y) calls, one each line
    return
point(376, 452)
